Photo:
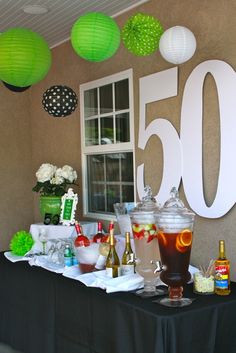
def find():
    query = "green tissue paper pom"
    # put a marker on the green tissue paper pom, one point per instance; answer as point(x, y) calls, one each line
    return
point(141, 34)
point(21, 243)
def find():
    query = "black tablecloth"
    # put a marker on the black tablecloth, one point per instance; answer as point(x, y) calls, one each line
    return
point(44, 312)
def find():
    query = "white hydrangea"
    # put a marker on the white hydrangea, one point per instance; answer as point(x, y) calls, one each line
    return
point(57, 180)
point(68, 173)
point(45, 172)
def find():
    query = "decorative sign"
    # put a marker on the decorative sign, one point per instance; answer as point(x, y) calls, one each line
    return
point(68, 207)
point(182, 154)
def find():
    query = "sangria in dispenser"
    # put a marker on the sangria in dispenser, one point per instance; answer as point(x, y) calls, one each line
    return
point(175, 233)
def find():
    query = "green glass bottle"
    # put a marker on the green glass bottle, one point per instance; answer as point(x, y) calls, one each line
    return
point(112, 263)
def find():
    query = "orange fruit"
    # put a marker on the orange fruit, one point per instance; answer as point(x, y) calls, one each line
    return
point(161, 238)
point(184, 240)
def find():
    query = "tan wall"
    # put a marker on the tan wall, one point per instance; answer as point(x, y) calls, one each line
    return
point(16, 169)
point(57, 140)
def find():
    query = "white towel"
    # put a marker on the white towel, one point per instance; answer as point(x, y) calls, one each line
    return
point(101, 280)
point(15, 258)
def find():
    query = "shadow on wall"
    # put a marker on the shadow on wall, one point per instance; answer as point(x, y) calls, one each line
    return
point(7, 349)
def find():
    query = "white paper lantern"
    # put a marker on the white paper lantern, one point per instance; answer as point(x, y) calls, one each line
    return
point(177, 45)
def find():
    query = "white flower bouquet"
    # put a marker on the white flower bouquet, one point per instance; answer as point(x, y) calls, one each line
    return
point(53, 181)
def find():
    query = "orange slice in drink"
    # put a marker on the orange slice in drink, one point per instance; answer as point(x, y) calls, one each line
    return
point(161, 238)
point(184, 240)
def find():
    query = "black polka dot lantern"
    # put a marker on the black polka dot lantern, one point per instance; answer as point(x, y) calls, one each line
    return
point(59, 101)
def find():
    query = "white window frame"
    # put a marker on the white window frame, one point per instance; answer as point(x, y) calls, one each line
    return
point(106, 148)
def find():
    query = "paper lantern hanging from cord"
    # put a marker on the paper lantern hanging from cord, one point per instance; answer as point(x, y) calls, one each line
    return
point(14, 88)
point(95, 37)
point(25, 57)
point(59, 101)
point(177, 45)
point(141, 34)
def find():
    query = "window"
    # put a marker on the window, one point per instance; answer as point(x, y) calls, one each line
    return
point(107, 143)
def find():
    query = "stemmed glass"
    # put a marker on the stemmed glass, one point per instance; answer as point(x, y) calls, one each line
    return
point(175, 233)
point(43, 238)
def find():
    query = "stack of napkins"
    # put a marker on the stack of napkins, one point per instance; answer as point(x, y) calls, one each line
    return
point(15, 258)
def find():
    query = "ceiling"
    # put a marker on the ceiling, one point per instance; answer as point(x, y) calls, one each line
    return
point(55, 25)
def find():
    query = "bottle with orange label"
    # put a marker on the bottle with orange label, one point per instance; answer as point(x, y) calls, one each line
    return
point(222, 272)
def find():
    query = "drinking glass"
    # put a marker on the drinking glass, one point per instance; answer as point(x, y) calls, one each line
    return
point(175, 232)
point(43, 239)
point(122, 211)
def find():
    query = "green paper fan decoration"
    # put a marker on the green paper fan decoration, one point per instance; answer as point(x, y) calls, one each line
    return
point(141, 34)
point(21, 243)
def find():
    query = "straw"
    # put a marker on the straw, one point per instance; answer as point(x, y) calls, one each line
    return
point(210, 268)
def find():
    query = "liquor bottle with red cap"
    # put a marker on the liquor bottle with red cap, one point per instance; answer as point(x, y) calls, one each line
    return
point(81, 239)
point(97, 238)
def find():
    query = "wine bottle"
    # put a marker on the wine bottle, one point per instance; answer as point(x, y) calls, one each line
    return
point(128, 261)
point(104, 249)
point(222, 272)
point(113, 262)
point(97, 238)
point(81, 239)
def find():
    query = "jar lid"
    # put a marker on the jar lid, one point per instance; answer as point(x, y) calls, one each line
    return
point(148, 204)
point(174, 206)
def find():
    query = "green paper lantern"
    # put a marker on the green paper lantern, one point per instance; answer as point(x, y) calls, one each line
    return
point(95, 37)
point(141, 34)
point(25, 57)
point(21, 243)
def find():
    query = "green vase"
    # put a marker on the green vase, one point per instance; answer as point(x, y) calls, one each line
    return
point(50, 204)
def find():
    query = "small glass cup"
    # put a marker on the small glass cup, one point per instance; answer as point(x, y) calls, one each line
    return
point(203, 283)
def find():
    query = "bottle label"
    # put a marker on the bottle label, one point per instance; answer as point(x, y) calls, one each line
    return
point(109, 272)
point(101, 262)
point(74, 260)
point(127, 270)
point(222, 277)
point(68, 261)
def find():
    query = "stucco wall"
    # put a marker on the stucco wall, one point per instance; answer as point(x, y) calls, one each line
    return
point(58, 140)
point(16, 169)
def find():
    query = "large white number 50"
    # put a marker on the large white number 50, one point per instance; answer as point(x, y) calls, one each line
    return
point(160, 85)
point(191, 136)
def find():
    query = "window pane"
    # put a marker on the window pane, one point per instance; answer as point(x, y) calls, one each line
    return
point(127, 193)
point(107, 130)
point(113, 196)
point(110, 180)
point(96, 202)
point(106, 105)
point(122, 128)
point(90, 102)
point(96, 198)
point(127, 167)
point(113, 167)
point(122, 94)
point(91, 132)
